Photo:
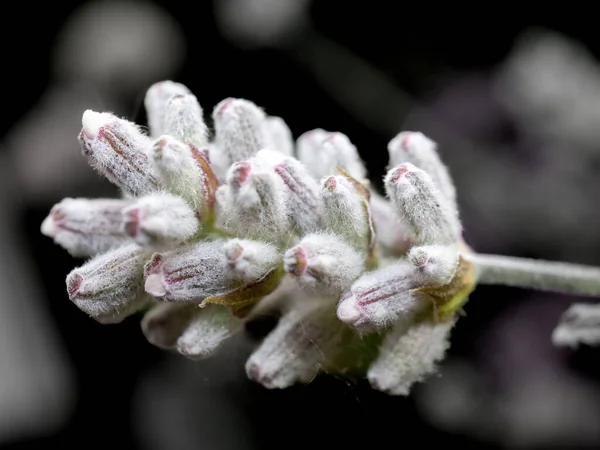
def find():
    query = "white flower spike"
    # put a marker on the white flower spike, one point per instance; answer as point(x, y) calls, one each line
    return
point(215, 232)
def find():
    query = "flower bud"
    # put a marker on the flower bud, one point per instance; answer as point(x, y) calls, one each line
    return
point(184, 120)
point(432, 218)
point(250, 260)
point(194, 332)
point(109, 283)
point(201, 273)
point(416, 148)
point(408, 354)
point(393, 234)
point(277, 135)
point(347, 212)
point(238, 128)
point(160, 220)
point(301, 192)
point(254, 196)
point(382, 297)
point(322, 152)
point(306, 340)
point(187, 173)
point(434, 265)
point(86, 227)
point(324, 263)
point(188, 274)
point(118, 150)
point(156, 101)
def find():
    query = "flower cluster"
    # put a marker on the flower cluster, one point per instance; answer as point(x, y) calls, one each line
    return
point(217, 226)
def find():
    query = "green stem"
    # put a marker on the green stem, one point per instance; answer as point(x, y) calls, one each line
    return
point(537, 274)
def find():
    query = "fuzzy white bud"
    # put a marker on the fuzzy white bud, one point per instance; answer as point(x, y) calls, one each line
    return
point(347, 212)
point(324, 263)
point(408, 354)
point(323, 151)
point(238, 128)
point(434, 265)
point(253, 203)
point(382, 297)
point(278, 135)
point(109, 283)
point(188, 274)
point(194, 332)
point(156, 101)
point(85, 227)
point(433, 218)
point(184, 120)
point(120, 151)
point(159, 221)
point(418, 149)
point(249, 260)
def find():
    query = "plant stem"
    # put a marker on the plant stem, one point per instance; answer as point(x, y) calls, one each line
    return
point(537, 274)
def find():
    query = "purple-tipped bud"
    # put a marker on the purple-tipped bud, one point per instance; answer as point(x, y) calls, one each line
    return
point(110, 283)
point(433, 219)
point(160, 220)
point(119, 151)
point(434, 265)
point(416, 148)
point(86, 227)
point(324, 263)
point(382, 297)
point(250, 260)
point(254, 195)
point(188, 274)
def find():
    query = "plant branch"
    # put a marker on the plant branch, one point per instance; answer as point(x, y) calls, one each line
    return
point(537, 274)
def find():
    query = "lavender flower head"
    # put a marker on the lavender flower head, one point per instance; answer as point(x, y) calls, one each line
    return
point(211, 232)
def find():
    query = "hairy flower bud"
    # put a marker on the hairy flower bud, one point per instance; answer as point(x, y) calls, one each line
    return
point(322, 152)
point(324, 263)
point(187, 172)
point(418, 149)
point(156, 101)
point(184, 120)
point(253, 203)
point(118, 150)
point(408, 354)
point(188, 329)
point(160, 220)
point(306, 340)
point(85, 227)
point(381, 297)
point(188, 274)
point(278, 135)
point(432, 217)
point(238, 128)
point(301, 191)
point(109, 283)
point(434, 265)
point(250, 260)
point(347, 211)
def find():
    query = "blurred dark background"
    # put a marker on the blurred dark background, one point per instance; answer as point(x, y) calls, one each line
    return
point(512, 98)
